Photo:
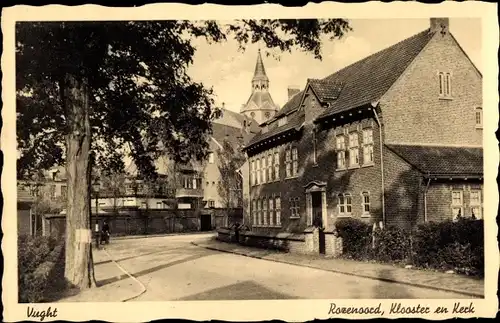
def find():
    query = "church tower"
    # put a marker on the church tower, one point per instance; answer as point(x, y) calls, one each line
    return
point(260, 106)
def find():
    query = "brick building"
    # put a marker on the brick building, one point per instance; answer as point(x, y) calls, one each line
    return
point(394, 139)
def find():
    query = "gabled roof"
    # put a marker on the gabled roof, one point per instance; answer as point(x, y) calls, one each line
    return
point(326, 90)
point(369, 79)
point(358, 84)
point(294, 121)
point(442, 160)
point(262, 101)
point(236, 120)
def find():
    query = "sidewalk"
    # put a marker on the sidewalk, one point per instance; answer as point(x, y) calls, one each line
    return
point(114, 285)
point(384, 272)
point(160, 235)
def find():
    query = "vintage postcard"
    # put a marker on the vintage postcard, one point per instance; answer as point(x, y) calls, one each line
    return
point(249, 163)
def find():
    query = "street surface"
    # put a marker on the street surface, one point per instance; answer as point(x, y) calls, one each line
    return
point(172, 268)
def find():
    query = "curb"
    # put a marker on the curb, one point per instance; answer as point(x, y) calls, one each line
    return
point(143, 288)
point(160, 235)
point(388, 280)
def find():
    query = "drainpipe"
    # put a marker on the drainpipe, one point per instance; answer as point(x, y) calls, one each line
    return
point(425, 199)
point(381, 159)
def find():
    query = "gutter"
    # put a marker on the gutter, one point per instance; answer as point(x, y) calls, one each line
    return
point(374, 105)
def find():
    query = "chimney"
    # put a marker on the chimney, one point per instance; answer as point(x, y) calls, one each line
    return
point(292, 90)
point(441, 25)
point(223, 105)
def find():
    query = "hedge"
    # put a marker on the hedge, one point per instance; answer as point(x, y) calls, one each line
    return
point(446, 245)
point(39, 261)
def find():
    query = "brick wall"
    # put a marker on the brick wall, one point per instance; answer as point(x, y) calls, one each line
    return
point(412, 109)
point(403, 185)
point(439, 198)
point(353, 181)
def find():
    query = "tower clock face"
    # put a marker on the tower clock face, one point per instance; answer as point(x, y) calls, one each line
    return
point(252, 114)
point(268, 114)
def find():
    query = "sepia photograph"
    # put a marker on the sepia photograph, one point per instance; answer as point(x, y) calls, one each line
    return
point(219, 158)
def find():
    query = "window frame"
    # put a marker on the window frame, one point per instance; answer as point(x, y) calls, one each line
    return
point(364, 212)
point(445, 85)
point(353, 149)
point(276, 165)
point(478, 205)
point(344, 205)
point(277, 208)
point(457, 206)
point(480, 111)
point(340, 148)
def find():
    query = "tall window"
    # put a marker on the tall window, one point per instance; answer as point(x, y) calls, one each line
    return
point(211, 203)
point(259, 212)
point(315, 152)
point(270, 167)
point(367, 146)
point(254, 212)
point(211, 158)
point(288, 163)
point(479, 117)
point(295, 161)
point(294, 207)
point(345, 204)
point(366, 203)
point(277, 202)
point(257, 181)
point(340, 152)
point(475, 204)
point(444, 84)
point(264, 210)
point(253, 172)
point(263, 172)
point(457, 203)
point(353, 149)
point(271, 211)
point(64, 191)
point(276, 165)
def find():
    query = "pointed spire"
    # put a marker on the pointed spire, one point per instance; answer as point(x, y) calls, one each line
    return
point(260, 71)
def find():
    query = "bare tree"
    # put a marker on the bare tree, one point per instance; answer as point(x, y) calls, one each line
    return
point(230, 186)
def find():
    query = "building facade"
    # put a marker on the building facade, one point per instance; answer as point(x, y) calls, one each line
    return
point(393, 139)
point(260, 105)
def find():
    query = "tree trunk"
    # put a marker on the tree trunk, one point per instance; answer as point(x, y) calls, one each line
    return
point(79, 267)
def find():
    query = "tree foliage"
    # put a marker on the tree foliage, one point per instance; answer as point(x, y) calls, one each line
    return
point(142, 101)
point(230, 187)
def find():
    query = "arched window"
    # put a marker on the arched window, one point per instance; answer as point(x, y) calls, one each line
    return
point(479, 117)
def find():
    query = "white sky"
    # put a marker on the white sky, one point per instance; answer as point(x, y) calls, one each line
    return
point(230, 71)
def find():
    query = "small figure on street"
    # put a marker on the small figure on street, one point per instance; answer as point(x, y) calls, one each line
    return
point(105, 233)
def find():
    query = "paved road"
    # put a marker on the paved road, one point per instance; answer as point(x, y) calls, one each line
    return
point(173, 269)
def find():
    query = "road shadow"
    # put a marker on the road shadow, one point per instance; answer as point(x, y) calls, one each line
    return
point(388, 289)
point(246, 290)
point(156, 268)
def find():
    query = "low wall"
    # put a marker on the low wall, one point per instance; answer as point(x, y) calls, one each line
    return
point(304, 243)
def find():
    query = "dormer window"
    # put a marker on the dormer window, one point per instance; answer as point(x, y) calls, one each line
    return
point(282, 121)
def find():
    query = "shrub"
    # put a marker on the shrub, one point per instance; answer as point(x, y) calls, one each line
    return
point(451, 245)
point(356, 238)
point(37, 257)
point(392, 244)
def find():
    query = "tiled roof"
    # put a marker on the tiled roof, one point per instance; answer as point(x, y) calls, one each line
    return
point(291, 105)
point(262, 101)
point(360, 83)
point(260, 71)
point(325, 89)
point(235, 120)
point(295, 120)
point(440, 160)
point(368, 79)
